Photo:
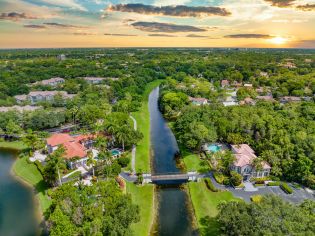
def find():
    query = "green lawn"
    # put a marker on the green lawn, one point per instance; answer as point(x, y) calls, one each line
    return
point(16, 145)
point(30, 174)
point(192, 161)
point(143, 197)
point(205, 205)
point(143, 121)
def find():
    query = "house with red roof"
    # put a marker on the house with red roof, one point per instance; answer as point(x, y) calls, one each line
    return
point(76, 147)
point(243, 164)
point(198, 101)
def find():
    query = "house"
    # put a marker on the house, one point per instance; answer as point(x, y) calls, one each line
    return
point(289, 65)
point(248, 85)
point(264, 74)
point(236, 84)
point(61, 57)
point(51, 82)
point(41, 96)
point(198, 101)
point(225, 83)
point(287, 99)
point(268, 98)
point(243, 164)
point(231, 99)
point(76, 147)
point(20, 108)
point(98, 80)
point(248, 101)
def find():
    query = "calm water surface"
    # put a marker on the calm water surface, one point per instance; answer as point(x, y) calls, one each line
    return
point(17, 213)
point(173, 215)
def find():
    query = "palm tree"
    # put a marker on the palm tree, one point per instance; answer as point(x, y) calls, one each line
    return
point(91, 161)
point(122, 134)
point(54, 164)
point(101, 143)
point(31, 140)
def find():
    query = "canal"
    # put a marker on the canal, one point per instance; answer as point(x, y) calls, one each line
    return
point(173, 217)
point(17, 210)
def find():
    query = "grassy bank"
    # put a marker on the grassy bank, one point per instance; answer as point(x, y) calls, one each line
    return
point(205, 205)
point(143, 197)
point(15, 145)
point(30, 174)
point(143, 121)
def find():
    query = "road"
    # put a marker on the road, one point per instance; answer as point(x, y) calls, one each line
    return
point(134, 148)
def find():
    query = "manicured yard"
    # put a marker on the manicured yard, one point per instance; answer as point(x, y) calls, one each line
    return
point(205, 205)
point(15, 145)
point(143, 197)
point(30, 174)
point(143, 121)
point(192, 161)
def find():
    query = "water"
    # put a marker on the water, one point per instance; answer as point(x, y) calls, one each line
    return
point(173, 215)
point(17, 217)
point(213, 148)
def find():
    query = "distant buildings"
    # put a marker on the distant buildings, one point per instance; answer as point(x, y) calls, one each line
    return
point(20, 108)
point(198, 101)
point(287, 99)
point(244, 162)
point(61, 57)
point(247, 101)
point(225, 83)
point(268, 98)
point(50, 82)
point(98, 80)
point(41, 96)
point(231, 99)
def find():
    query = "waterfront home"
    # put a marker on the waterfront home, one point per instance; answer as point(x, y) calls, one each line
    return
point(97, 80)
point(198, 101)
point(50, 82)
point(20, 108)
point(76, 147)
point(41, 96)
point(243, 164)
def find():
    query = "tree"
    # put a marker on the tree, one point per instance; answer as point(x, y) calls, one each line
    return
point(55, 162)
point(271, 216)
point(224, 161)
point(100, 209)
point(32, 140)
point(236, 179)
point(91, 161)
point(13, 128)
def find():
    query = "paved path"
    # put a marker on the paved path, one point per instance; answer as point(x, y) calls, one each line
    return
point(134, 149)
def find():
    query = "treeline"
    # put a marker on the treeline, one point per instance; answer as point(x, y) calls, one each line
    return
point(284, 136)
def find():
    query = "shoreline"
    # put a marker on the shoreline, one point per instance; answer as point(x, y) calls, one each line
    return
point(38, 213)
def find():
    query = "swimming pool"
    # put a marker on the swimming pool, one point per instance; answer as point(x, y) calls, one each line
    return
point(115, 152)
point(213, 148)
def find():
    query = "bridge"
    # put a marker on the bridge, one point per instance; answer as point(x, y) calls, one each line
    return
point(171, 177)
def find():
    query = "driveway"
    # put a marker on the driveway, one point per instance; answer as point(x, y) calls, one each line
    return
point(297, 196)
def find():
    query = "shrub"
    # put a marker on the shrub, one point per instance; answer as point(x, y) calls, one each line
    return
point(259, 185)
point(236, 178)
point(256, 198)
point(286, 188)
point(255, 179)
point(275, 183)
point(210, 185)
point(310, 181)
point(39, 166)
point(260, 181)
point(226, 181)
point(123, 161)
point(219, 177)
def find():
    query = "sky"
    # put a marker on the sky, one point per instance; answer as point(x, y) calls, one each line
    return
point(157, 23)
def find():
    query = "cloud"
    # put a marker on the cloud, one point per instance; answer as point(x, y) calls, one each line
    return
point(121, 35)
point(15, 16)
point(165, 27)
point(161, 35)
point(179, 10)
point(35, 26)
point(307, 7)
point(248, 36)
point(281, 3)
point(59, 25)
point(196, 36)
point(65, 3)
point(305, 44)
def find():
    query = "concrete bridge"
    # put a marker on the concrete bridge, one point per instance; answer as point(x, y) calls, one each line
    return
point(171, 177)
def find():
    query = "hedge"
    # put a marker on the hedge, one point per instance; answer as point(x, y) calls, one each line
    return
point(275, 183)
point(219, 177)
point(210, 185)
point(286, 188)
point(39, 166)
point(256, 198)
point(259, 185)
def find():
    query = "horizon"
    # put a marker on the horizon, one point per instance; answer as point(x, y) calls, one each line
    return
point(157, 24)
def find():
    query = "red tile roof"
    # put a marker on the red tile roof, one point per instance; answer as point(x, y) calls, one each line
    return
point(74, 149)
point(57, 139)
